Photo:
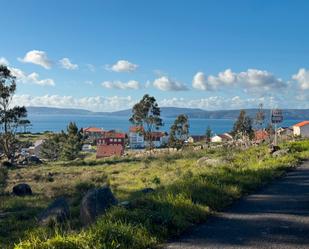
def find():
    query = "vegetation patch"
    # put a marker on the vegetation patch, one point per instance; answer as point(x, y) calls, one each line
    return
point(185, 194)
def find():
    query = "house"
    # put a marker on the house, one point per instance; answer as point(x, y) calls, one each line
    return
point(196, 138)
point(112, 138)
point(136, 139)
point(93, 133)
point(285, 132)
point(111, 144)
point(301, 129)
point(158, 139)
point(261, 135)
point(35, 150)
point(109, 150)
point(225, 137)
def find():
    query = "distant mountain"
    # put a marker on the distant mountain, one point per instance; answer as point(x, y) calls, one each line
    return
point(171, 112)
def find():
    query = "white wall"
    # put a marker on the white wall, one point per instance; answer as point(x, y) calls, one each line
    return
point(216, 139)
point(304, 131)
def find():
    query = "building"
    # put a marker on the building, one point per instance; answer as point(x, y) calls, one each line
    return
point(109, 150)
point(93, 133)
point(35, 150)
point(158, 139)
point(301, 129)
point(111, 144)
point(136, 139)
point(225, 137)
point(196, 139)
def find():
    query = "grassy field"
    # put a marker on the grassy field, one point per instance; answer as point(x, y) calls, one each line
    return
point(186, 193)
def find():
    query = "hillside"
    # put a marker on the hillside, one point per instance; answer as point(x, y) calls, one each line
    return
point(170, 112)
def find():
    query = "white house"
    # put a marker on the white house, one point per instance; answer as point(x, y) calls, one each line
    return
point(225, 137)
point(35, 150)
point(301, 129)
point(136, 139)
point(159, 139)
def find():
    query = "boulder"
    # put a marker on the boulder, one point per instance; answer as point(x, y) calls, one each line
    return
point(205, 161)
point(57, 212)
point(280, 153)
point(22, 189)
point(147, 190)
point(95, 203)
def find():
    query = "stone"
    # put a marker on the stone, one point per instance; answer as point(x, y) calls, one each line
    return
point(95, 203)
point(205, 161)
point(57, 212)
point(280, 153)
point(22, 189)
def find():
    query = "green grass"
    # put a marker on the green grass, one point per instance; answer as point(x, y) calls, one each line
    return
point(185, 195)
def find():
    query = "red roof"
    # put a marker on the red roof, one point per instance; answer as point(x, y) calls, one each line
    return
point(92, 129)
point(109, 150)
point(302, 123)
point(114, 135)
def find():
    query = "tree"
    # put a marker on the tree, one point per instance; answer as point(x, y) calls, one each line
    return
point(260, 117)
point(179, 132)
point(52, 146)
point(243, 126)
point(208, 135)
point(73, 142)
point(10, 117)
point(146, 114)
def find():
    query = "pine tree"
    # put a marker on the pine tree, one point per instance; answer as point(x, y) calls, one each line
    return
point(73, 142)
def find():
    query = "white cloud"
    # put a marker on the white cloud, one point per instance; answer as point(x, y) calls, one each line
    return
point(302, 77)
point(199, 81)
point(96, 103)
point(67, 64)
point(37, 57)
point(216, 102)
point(252, 80)
point(4, 61)
point(166, 84)
point(131, 84)
point(31, 78)
point(122, 66)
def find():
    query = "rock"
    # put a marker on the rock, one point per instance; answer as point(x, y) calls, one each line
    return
point(124, 204)
point(22, 189)
point(95, 203)
point(57, 212)
point(273, 148)
point(147, 190)
point(280, 153)
point(205, 161)
point(34, 160)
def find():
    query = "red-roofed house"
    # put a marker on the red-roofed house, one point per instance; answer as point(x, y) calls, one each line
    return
point(136, 139)
point(301, 129)
point(93, 132)
point(109, 150)
point(110, 144)
point(158, 139)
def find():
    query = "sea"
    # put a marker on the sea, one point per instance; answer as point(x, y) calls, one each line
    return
point(56, 123)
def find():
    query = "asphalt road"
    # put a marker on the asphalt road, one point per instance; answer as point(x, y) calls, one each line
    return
point(275, 217)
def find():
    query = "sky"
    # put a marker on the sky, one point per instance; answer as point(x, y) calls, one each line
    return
point(105, 55)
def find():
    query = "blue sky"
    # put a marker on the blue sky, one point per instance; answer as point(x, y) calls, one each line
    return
point(104, 55)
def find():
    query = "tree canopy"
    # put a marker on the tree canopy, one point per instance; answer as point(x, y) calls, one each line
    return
point(179, 131)
point(10, 116)
point(146, 114)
